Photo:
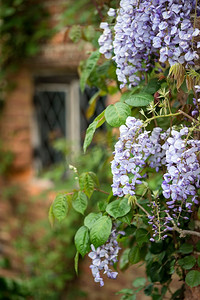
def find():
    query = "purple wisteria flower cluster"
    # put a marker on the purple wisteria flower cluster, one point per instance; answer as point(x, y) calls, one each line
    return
point(137, 149)
point(148, 31)
point(105, 256)
point(196, 102)
point(183, 172)
point(134, 148)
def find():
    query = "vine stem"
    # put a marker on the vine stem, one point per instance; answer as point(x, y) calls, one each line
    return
point(97, 8)
point(186, 115)
point(101, 191)
point(182, 232)
point(143, 209)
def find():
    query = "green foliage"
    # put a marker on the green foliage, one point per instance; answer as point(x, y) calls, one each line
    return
point(89, 67)
point(100, 231)
point(137, 100)
point(28, 22)
point(82, 240)
point(187, 262)
point(80, 202)
point(6, 158)
point(116, 114)
point(91, 219)
point(118, 208)
point(60, 207)
point(98, 121)
point(186, 248)
point(193, 278)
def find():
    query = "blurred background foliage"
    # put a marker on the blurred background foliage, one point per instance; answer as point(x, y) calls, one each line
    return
point(47, 257)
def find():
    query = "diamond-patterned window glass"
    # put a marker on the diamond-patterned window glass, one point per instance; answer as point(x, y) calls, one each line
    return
point(51, 118)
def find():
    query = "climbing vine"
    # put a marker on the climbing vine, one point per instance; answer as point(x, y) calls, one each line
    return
point(151, 57)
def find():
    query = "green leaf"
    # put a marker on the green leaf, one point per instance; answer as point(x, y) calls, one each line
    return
point(102, 205)
point(142, 236)
point(86, 184)
point(51, 216)
point(193, 278)
point(98, 121)
point(154, 271)
point(198, 246)
point(100, 231)
point(141, 99)
point(91, 219)
point(82, 240)
point(89, 32)
point(134, 255)
point(187, 262)
point(152, 87)
point(80, 202)
point(186, 248)
point(125, 291)
point(124, 261)
point(198, 261)
point(125, 96)
point(90, 65)
point(138, 282)
point(94, 178)
point(127, 218)
point(198, 213)
point(148, 289)
point(60, 207)
point(116, 114)
point(89, 135)
point(75, 33)
point(118, 208)
point(76, 258)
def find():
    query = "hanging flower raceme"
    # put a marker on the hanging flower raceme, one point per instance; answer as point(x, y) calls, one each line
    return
point(134, 147)
point(138, 149)
point(104, 257)
point(149, 31)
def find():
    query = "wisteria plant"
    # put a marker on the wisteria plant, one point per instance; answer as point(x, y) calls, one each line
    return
point(152, 210)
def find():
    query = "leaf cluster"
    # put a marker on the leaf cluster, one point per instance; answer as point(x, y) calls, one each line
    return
point(24, 25)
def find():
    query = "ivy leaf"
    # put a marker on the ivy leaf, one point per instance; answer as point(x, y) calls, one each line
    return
point(186, 248)
point(60, 207)
point(80, 202)
point(118, 208)
point(100, 231)
point(91, 219)
point(86, 184)
point(193, 278)
point(98, 121)
point(187, 262)
point(134, 255)
point(141, 99)
point(76, 258)
point(142, 236)
point(116, 114)
point(90, 65)
point(82, 240)
point(51, 216)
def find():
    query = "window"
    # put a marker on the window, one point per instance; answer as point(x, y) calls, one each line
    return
point(56, 115)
